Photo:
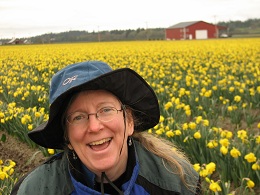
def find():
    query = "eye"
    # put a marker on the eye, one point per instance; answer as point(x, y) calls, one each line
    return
point(107, 109)
point(76, 117)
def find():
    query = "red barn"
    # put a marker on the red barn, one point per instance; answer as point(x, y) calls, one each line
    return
point(194, 30)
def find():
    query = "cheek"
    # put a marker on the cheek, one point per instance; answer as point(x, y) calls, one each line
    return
point(117, 126)
point(75, 135)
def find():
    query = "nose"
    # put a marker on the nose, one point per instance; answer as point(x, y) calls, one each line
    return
point(93, 123)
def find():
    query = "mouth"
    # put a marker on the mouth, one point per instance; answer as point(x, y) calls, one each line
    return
point(100, 144)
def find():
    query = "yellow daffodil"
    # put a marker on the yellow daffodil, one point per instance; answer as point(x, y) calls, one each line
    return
point(230, 108)
point(250, 157)
point(211, 167)
point(161, 119)
point(223, 150)
point(3, 175)
point(237, 98)
point(198, 119)
point(258, 139)
point(51, 151)
point(224, 142)
point(30, 127)
point(168, 105)
point(256, 166)
point(214, 186)
point(235, 153)
point(185, 126)
point(242, 134)
point(159, 132)
point(196, 167)
point(177, 132)
point(192, 125)
point(197, 135)
point(212, 144)
point(250, 184)
point(206, 123)
point(203, 173)
point(169, 134)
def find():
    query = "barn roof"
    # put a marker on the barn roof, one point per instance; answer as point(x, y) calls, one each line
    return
point(12, 40)
point(183, 24)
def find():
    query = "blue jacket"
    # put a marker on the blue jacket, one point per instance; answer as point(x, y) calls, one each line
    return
point(146, 174)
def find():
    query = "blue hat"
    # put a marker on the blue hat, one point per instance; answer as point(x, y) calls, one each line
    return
point(124, 83)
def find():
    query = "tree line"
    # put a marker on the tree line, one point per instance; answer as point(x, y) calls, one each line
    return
point(113, 35)
point(248, 27)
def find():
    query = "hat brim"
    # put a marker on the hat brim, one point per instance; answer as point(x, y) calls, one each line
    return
point(126, 84)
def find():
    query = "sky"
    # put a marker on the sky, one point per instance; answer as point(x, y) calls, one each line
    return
point(27, 18)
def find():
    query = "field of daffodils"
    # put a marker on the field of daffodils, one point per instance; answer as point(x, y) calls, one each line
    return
point(208, 90)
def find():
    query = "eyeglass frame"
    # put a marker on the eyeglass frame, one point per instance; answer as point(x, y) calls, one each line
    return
point(86, 119)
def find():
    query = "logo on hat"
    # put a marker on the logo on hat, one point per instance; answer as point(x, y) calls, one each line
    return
point(69, 80)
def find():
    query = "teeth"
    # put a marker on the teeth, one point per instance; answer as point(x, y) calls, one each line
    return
point(100, 142)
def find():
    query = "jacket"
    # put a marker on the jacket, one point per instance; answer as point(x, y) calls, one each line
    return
point(146, 174)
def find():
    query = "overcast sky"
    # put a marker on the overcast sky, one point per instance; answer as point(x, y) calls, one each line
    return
point(26, 18)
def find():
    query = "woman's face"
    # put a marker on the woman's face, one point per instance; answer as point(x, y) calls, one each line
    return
point(98, 143)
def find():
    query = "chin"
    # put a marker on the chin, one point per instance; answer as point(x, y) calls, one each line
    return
point(105, 164)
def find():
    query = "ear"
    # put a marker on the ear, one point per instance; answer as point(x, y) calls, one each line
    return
point(70, 146)
point(130, 125)
point(129, 121)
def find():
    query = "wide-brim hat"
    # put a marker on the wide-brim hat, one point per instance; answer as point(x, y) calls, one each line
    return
point(124, 83)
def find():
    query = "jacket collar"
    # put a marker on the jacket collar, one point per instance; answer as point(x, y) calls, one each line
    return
point(80, 173)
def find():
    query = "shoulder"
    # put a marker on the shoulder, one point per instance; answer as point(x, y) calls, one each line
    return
point(48, 178)
point(155, 171)
point(152, 167)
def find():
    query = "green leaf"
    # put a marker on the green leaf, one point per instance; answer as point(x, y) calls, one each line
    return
point(3, 138)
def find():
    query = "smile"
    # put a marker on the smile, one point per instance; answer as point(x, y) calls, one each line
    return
point(102, 141)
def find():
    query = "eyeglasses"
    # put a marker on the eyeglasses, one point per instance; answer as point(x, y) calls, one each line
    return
point(104, 114)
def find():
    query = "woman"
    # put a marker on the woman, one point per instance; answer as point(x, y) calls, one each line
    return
point(99, 117)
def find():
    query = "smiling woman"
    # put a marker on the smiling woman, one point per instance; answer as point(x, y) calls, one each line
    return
point(98, 138)
point(98, 117)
